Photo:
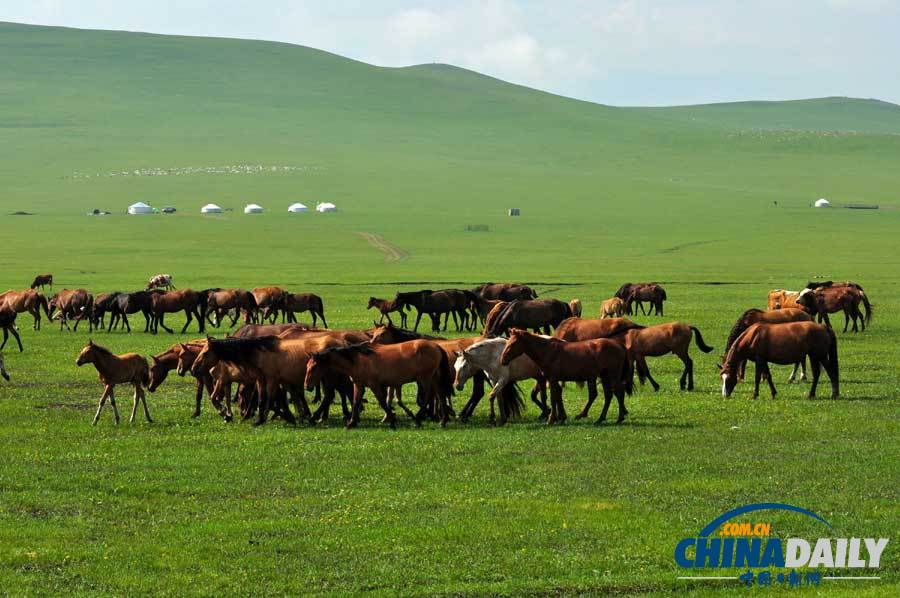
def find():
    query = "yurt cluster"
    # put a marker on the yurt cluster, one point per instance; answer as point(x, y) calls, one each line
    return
point(251, 208)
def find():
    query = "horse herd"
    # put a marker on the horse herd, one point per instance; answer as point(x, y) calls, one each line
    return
point(269, 367)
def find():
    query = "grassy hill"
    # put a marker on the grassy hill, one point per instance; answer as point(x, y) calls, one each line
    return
point(683, 195)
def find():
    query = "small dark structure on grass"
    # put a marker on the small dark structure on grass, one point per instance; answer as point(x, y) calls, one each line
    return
point(514, 212)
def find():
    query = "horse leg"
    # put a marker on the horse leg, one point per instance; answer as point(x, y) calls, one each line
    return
point(112, 402)
point(592, 395)
point(540, 388)
point(759, 370)
point(103, 397)
point(418, 319)
point(768, 375)
point(358, 392)
point(161, 322)
point(134, 405)
point(831, 368)
point(381, 394)
point(688, 373)
point(816, 367)
point(555, 397)
point(607, 396)
point(190, 318)
point(642, 361)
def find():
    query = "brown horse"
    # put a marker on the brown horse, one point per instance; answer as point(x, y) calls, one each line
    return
point(612, 308)
point(483, 307)
point(268, 300)
point(659, 340)
point(783, 344)
point(830, 299)
point(387, 307)
point(772, 316)
point(42, 279)
point(74, 304)
point(582, 361)
point(254, 330)
point(449, 302)
point(639, 293)
point(29, 301)
point(168, 360)
point(300, 302)
point(125, 304)
point(577, 329)
point(380, 367)
point(504, 291)
point(8, 324)
point(184, 300)
point(222, 301)
point(218, 380)
point(129, 368)
point(535, 314)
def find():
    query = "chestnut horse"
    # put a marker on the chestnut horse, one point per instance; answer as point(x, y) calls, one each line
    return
point(29, 301)
point(186, 300)
point(128, 368)
point(582, 361)
point(640, 292)
point(830, 299)
point(783, 344)
point(42, 279)
point(379, 367)
point(300, 302)
point(504, 291)
point(612, 308)
point(73, 304)
point(268, 300)
point(535, 314)
point(772, 316)
point(168, 360)
point(386, 307)
point(222, 301)
point(659, 340)
point(8, 324)
point(577, 329)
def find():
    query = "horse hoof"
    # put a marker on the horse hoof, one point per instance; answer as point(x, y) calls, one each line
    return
point(600, 422)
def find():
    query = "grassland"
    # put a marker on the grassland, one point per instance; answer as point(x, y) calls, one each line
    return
point(681, 195)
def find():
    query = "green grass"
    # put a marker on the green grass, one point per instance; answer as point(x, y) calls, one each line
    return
point(680, 195)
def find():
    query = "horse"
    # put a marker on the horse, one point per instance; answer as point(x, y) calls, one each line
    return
point(73, 304)
point(217, 380)
point(387, 307)
point(659, 340)
point(300, 302)
point(783, 344)
point(42, 279)
point(772, 316)
point(536, 314)
point(161, 281)
point(575, 308)
point(578, 329)
point(128, 368)
point(102, 304)
point(484, 356)
point(781, 299)
point(256, 330)
point(3, 371)
point(268, 300)
point(379, 367)
point(612, 308)
point(186, 300)
point(504, 291)
point(167, 361)
point(29, 301)
point(581, 361)
point(222, 301)
point(448, 302)
point(830, 299)
point(651, 293)
point(8, 324)
point(131, 303)
point(482, 307)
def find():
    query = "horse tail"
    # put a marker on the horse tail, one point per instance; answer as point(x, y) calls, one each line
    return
point(832, 348)
point(628, 374)
point(42, 302)
point(868, 306)
point(510, 402)
point(145, 375)
point(699, 340)
point(663, 293)
point(445, 376)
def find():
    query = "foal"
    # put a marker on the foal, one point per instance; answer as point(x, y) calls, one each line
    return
point(386, 307)
point(128, 368)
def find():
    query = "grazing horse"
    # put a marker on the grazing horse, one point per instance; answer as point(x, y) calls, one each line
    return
point(3, 371)
point(575, 308)
point(300, 302)
point(484, 356)
point(830, 299)
point(659, 340)
point(504, 291)
point(161, 281)
point(386, 307)
point(652, 293)
point(42, 279)
point(8, 324)
point(782, 299)
point(29, 301)
point(222, 301)
point(612, 308)
point(268, 300)
point(435, 303)
point(380, 367)
point(582, 361)
point(129, 368)
point(131, 303)
point(783, 344)
point(73, 304)
point(772, 316)
point(188, 301)
point(536, 314)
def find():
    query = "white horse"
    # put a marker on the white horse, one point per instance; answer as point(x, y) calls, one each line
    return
point(3, 368)
point(161, 281)
point(485, 356)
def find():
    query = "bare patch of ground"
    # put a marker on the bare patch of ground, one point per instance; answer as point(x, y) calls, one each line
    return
point(391, 252)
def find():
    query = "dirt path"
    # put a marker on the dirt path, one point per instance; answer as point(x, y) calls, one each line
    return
point(391, 252)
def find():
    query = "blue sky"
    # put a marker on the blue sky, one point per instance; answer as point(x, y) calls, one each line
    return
point(624, 52)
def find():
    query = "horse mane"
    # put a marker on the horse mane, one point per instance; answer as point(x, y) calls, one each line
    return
point(492, 325)
point(349, 351)
point(101, 350)
point(740, 326)
point(733, 347)
point(238, 349)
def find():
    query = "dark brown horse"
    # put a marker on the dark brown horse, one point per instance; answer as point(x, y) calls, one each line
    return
point(771, 316)
point(42, 279)
point(300, 302)
point(29, 301)
point(505, 291)
point(535, 314)
point(831, 299)
point(186, 300)
point(447, 302)
point(639, 293)
point(220, 302)
point(582, 361)
point(125, 304)
point(73, 304)
point(386, 307)
point(8, 324)
point(783, 344)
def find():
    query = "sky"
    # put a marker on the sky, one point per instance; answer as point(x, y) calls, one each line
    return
point(621, 52)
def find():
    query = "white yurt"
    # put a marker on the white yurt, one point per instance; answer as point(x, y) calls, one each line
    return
point(326, 207)
point(139, 208)
point(252, 208)
point(822, 203)
point(210, 208)
point(297, 208)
